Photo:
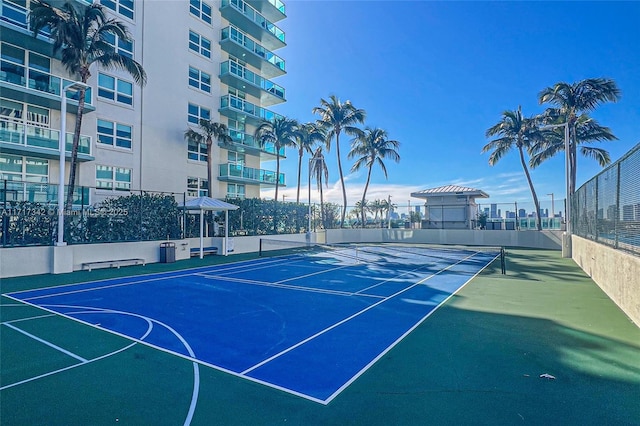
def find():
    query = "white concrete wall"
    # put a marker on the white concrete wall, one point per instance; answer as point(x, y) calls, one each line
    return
point(615, 271)
point(25, 261)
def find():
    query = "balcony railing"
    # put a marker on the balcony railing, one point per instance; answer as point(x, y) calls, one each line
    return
point(255, 16)
point(29, 136)
point(234, 34)
point(230, 67)
point(39, 80)
point(37, 192)
point(235, 103)
point(248, 174)
point(18, 16)
point(250, 141)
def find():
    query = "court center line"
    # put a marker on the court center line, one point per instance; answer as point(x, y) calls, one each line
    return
point(287, 286)
point(326, 330)
point(46, 342)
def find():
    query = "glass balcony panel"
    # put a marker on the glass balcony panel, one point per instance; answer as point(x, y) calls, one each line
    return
point(250, 174)
point(256, 17)
point(44, 82)
point(11, 132)
point(237, 36)
point(40, 137)
point(43, 138)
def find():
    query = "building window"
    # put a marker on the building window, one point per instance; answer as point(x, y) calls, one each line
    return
point(199, 79)
point(235, 190)
point(122, 47)
point(236, 158)
point(197, 113)
point(237, 93)
point(114, 134)
point(117, 178)
point(123, 7)
point(200, 10)
point(26, 169)
point(196, 151)
point(197, 187)
point(200, 44)
point(115, 89)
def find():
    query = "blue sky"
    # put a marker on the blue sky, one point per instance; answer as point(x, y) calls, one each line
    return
point(437, 75)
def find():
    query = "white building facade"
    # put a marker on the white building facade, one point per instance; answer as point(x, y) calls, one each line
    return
point(204, 59)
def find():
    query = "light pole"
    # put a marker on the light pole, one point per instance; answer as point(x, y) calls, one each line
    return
point(567, 156)
point(389, 212)
point(62, 142)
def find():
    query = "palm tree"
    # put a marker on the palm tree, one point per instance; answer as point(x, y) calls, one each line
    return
point(281, 132)
point(360, 211)
point(306, 137)
point(335, 117)
point(80, 35)
point(319, 171)
point(514, 130)
point(208, 131)
point(372, 147)
point(572, 102)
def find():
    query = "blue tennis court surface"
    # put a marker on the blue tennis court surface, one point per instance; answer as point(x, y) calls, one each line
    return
point(306, 325)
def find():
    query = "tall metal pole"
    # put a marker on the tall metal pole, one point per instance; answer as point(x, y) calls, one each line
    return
point(309, 215)
point(62, 147)
point(568, 179)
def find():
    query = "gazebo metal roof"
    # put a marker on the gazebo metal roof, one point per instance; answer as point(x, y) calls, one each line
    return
point(450, 190)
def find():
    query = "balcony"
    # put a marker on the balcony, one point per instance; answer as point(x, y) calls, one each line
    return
point(238, 44)
point(39, 88)
point(273, 10)
point(14, 22)
point(249, 20)
point(243, 142)
point(24, 139)
point(45, 193)
point(238, 173)
point(238, 109)
point(235, 75)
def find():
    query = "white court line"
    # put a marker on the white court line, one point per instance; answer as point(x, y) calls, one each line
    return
point(326, 330)
point(27, 319)
point(150, 321)
point(46, 342)
point(399, 339)
point(152, 276)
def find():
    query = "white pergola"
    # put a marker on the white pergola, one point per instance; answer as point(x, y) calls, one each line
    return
point(203, 204)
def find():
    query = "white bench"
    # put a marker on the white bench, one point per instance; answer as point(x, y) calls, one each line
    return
point(111, 263)
point(195, 251)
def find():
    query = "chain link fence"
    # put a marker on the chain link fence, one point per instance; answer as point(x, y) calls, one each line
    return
point(606, 209)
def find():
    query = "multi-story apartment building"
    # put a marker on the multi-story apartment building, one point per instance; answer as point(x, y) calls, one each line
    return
point(204, 59)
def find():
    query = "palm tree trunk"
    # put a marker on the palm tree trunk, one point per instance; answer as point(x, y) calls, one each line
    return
point(209, 167)
point(299, 174)
point(364, 194)
point(275, 202)
point(536, 205)
point(74, 149)
point(344, 191)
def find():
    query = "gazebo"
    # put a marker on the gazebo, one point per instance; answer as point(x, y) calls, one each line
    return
point(203, 204)
point(450, 206)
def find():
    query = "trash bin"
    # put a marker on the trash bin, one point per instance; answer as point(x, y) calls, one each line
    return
point(167, 252)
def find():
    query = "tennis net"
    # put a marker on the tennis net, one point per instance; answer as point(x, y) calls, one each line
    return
point(410, 254)
point(275, 247)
